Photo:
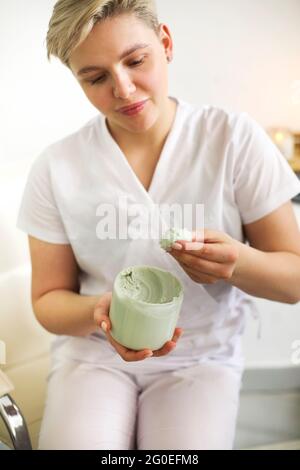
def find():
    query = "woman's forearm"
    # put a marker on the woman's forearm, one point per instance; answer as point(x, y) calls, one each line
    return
point(274, 276)
point(64, 312)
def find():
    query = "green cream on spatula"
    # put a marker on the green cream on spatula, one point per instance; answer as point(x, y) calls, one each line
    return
point(145, 307)
point(174, 234)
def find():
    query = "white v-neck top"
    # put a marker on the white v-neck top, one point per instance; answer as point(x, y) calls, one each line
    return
point(211, 156)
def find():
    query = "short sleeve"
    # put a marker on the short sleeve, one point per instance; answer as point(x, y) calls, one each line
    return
point(263, 179)
point(38, 214)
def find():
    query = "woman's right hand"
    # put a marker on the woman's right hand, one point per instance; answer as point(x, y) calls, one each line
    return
point(101, 318)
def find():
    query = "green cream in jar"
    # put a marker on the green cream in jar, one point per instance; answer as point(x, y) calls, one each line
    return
point(145, 307)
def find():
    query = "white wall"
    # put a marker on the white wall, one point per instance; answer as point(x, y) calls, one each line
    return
point(241, 54)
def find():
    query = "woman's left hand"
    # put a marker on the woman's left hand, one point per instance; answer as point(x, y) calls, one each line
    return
point(210, 261)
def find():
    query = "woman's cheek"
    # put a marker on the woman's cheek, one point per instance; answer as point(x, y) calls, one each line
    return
point(159, 79)
point(152, 82)
point(100, 100)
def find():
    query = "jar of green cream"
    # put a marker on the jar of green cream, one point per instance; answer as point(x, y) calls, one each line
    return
point(145, 307)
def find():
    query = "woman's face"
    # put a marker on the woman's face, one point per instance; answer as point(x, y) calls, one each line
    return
point(117, 81)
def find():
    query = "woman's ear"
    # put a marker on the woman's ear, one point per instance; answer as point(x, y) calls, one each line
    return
point(166, 41)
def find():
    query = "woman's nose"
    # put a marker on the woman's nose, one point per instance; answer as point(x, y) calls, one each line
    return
point(123, 87)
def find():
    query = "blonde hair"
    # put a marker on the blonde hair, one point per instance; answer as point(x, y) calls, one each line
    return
point(73, 20)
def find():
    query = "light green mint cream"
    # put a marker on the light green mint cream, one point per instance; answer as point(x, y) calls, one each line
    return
point(147, 285)
point(174, 234)
point(145, 306)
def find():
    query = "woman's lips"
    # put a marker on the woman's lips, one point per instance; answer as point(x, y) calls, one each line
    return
point(134, 109)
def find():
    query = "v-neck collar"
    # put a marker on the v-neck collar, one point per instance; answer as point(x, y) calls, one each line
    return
point(128, 173)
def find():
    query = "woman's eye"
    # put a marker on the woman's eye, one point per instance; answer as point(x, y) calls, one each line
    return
point(98, 80)
point(137, 62)
point(102, 78)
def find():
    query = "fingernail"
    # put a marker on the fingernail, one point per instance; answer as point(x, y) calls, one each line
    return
point(104, 326)
point(177, 246)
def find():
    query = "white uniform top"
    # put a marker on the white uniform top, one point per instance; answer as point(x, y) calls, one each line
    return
point(221, 159)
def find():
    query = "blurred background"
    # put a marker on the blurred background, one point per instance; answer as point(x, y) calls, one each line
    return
point(239, 54)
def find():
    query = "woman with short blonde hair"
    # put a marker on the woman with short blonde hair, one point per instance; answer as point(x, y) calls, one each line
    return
point(145, 149)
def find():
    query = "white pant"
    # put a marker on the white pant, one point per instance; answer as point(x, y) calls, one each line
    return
point(94, 407)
